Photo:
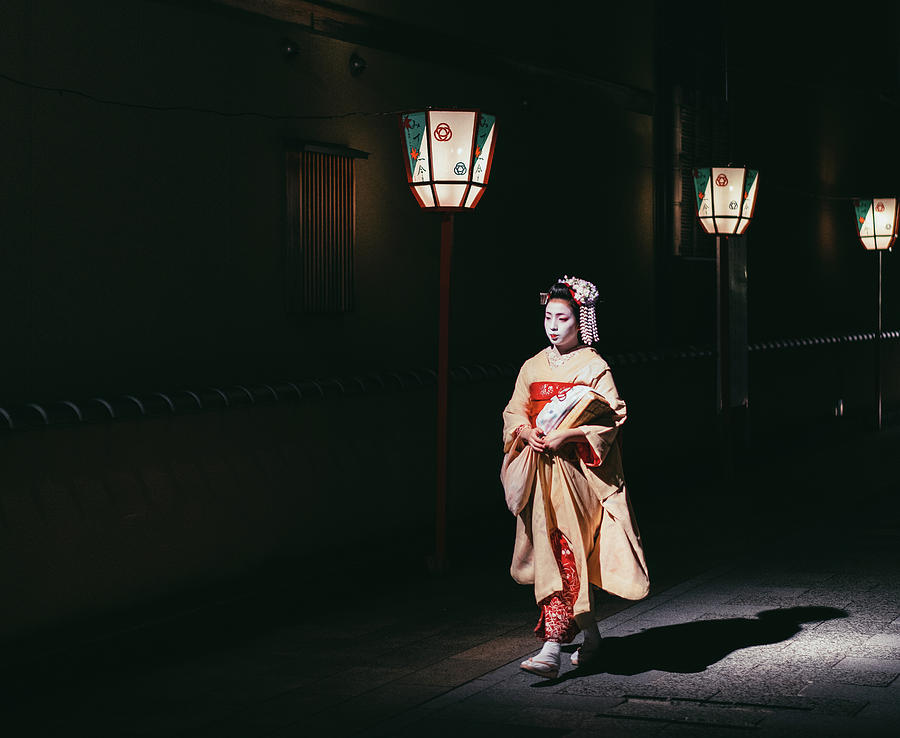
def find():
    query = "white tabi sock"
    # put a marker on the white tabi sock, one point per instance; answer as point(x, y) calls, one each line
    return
point(549, 652)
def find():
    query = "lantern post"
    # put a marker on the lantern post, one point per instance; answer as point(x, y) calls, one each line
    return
point(448, 156)
point(725, 199)
point(876, 226)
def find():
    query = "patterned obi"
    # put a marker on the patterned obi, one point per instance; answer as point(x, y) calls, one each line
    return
point(543, 392)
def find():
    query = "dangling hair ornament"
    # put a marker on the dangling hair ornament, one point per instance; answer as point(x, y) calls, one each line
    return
point(585, 295)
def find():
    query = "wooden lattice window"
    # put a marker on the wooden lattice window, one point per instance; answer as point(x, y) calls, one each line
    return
point(321, 227)
point(701, 139)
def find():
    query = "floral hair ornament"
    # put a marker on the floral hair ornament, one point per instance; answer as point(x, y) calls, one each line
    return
point(585, 295)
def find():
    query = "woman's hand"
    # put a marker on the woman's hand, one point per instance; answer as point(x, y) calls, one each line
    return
point(555, 439)
point(534, 437)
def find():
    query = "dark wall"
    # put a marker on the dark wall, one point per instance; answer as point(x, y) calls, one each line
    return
point(103, 517)
point(813, 105)
point(144, 248)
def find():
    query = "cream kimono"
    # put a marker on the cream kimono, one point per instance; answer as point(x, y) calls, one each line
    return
point(580, 490)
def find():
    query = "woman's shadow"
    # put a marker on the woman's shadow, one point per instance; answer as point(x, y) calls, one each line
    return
point(691, 647)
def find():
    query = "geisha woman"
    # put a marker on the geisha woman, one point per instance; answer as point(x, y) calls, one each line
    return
point(562, 475)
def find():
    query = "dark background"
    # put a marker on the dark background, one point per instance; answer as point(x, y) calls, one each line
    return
point(142, 223)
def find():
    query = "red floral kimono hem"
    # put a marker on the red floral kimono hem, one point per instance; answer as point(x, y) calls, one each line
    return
point(557, 620)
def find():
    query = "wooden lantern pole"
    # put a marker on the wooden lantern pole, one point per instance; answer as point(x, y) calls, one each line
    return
point(443, 382)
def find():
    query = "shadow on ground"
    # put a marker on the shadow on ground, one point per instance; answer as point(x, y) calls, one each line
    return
point(692, 647)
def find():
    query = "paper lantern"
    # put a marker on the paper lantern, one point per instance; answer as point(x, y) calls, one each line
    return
point(725, 198)
point(448, 156)
point(876, 222)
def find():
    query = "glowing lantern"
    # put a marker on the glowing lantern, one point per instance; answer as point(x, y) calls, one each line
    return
point(448, 156)
point(725, 198)
point(876, 222)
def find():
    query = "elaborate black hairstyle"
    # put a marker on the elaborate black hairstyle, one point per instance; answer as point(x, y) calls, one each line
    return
point(560, 291)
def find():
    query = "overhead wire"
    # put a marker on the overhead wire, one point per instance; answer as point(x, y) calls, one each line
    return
point(190, 108)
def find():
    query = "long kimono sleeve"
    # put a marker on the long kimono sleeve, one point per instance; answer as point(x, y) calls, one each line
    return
point(601, 435)
point(516, 412)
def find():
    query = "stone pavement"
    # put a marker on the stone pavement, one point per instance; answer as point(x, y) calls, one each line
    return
point(789, 629)
point(798, 640)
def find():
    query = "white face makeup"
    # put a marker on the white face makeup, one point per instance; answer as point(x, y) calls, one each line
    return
point(561, 325)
